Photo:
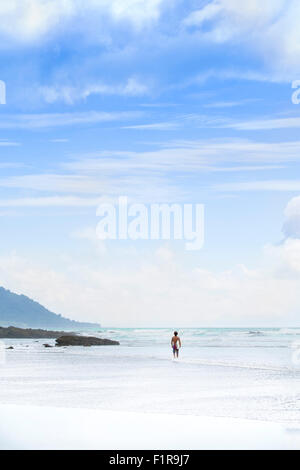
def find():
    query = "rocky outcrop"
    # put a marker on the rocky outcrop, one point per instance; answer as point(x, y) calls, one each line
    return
point(84, 341)
point(13, 332)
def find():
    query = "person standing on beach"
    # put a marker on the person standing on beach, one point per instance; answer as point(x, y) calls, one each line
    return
point(176, 344)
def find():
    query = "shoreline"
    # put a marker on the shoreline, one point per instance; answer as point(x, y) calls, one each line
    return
point(53, 428)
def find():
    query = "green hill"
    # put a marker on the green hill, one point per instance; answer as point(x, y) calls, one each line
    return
point(21, 311)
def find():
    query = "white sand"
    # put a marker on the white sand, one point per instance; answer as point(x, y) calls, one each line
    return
point(28, 427)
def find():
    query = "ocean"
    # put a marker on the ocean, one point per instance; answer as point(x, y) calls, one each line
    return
point(249, 373)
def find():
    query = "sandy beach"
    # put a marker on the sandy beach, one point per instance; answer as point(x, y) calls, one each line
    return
point(46, 428)
point(229, 389)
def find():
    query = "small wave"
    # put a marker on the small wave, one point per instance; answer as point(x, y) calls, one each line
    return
point(236, 365)
point(289, 331)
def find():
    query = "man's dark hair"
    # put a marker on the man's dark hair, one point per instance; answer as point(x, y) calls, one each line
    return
point(175, 333)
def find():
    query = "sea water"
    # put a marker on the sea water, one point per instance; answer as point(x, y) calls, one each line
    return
point(245, 373)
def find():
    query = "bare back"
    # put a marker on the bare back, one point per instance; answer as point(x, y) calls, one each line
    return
point(176, 342)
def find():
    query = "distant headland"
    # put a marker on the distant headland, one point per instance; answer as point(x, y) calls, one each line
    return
point(23, 312)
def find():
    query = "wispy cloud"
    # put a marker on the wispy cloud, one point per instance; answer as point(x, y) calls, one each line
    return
point(158, 126)
point(53, 201)
point(229, 104)
point(150, 174)
point(104, 179)
point(38, 121)
point(7, 143)
point(62, 183)
point(243, 168)
point(72, 94)
point(189, 155)
point(240, 74)
point(11, 165)
point(267, 124)
point(268, 185)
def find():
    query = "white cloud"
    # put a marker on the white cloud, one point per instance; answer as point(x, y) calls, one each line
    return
point(72, 94)
point(159, 291)
point(197, 17)
point(241, 17)
point(90, 234)
point(270, 28)
point(284, 260)
point(291, 226)
point(30, 20)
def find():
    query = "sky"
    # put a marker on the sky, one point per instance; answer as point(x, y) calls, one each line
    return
point(161, 101)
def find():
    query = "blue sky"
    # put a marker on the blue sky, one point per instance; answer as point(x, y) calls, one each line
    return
point(160, 101)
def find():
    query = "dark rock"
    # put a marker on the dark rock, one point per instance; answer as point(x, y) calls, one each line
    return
point(47, 345)
point(84, 341)
point(10, 347)
point(13, 332)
